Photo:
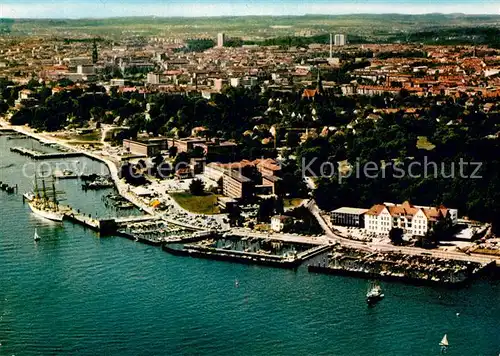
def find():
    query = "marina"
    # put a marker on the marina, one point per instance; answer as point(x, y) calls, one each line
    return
point(414, 269)
point(248, 250)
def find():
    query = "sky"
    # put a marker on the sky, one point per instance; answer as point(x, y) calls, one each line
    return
point(190, 8)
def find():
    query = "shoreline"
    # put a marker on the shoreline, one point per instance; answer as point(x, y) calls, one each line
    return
point(328, 238)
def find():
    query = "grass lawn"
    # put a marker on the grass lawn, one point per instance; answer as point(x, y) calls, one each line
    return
point(292, 202)
point(204, 204)
point(424, 144)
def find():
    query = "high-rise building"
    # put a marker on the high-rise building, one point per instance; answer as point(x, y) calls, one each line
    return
point(220, 40)
point(340, 40)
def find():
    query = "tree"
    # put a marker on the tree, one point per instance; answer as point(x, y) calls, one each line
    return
point(172, 151)
point(197, 187)
point(292, 139)
point(181, 160)
point(266, 209)
point(157, 160)
point(396, 235)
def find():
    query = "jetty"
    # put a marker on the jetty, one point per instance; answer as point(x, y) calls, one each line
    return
point(38, 155)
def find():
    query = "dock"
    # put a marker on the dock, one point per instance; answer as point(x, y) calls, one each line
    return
point(411, 269)
point(82, 219)
point(37, 155)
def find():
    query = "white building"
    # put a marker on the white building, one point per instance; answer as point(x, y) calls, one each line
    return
point(414, 220)
point(340, 40)
point(85, 69)
point(154, 78)
point(348, 216)
point(235, 82)
point(220, 40)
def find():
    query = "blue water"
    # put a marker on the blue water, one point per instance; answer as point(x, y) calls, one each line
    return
point(74, 293)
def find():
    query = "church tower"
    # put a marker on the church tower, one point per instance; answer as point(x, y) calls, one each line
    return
point(319, 83)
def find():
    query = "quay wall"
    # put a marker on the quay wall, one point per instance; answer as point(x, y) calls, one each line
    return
point(230, 256)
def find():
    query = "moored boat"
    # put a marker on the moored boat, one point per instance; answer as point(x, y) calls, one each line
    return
point(45, 212)
point(44, 202)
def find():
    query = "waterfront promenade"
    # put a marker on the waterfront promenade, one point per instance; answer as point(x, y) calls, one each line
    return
point(121, 186)
point(330, 236)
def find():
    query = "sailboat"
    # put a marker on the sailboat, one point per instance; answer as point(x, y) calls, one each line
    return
point(444, 343)
point(36, 237)
point(44, 201)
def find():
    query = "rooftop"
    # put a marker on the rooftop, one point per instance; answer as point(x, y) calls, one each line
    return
point(353, 211)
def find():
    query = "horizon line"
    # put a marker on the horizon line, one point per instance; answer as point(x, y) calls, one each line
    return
point(252, 15)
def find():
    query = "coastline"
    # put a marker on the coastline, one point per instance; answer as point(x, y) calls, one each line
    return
point(328, 238)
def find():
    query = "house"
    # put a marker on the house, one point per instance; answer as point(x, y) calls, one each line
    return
point(278, 222)
point(414, 220)
point(310, 93)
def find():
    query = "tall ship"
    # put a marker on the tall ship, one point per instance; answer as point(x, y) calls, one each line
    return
point(44, 199)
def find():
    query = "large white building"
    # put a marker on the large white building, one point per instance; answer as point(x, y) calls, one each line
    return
point(340, 40)
point(414, 220)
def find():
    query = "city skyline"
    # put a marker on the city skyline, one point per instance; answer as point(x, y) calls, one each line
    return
point(204, 8)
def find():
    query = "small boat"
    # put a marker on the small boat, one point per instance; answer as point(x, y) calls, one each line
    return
point(444, 343)
point(36, 237)
point(374, 294)
point(236, 283)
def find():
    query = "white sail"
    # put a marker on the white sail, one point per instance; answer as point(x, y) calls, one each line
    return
point(444, 341)
point(36, 237)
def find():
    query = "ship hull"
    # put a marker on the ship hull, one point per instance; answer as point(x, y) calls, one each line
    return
point(46, 214)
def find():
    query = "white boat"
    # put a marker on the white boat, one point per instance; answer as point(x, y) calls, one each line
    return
point(444, 343)
point(43, 201)
point(49, 214)
point(374, 294)
point(36, 237)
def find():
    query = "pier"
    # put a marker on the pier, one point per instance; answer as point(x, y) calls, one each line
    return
point(37, 155)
